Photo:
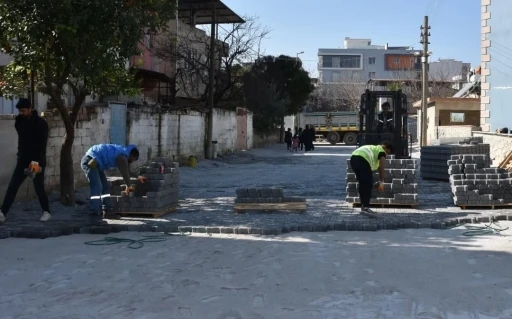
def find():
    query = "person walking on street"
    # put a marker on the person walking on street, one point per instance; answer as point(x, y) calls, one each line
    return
point(100, 158)
point(288, 139)
point(364, 161)
point(31, 158)
point(301, 143)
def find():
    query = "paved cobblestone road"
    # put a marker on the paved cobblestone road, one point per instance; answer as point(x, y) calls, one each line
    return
point(208, 191)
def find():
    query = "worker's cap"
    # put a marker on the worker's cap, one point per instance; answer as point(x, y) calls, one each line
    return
point(23, 103)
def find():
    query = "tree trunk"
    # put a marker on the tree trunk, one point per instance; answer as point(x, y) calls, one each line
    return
point(67, 176)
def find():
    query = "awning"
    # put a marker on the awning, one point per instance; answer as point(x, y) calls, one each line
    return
point(203, 12)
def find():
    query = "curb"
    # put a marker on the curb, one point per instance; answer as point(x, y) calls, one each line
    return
point(270, 231)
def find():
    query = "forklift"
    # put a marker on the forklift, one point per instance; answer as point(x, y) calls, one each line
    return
point(374, 129)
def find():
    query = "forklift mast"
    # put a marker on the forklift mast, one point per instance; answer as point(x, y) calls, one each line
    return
point(368, 122)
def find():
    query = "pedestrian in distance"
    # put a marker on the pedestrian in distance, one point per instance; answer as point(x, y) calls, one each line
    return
point(288, 139)
point(295, 143)
point(100, 158)
point(364, 161)
point(31, 158)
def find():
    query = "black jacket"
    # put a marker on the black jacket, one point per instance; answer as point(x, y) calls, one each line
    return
point(32, 139)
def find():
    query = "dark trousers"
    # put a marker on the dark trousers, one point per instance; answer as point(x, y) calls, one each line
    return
point(288, 145)
point(364, 176)
point(18, 176)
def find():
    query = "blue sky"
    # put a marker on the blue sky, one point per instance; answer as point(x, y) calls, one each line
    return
point(309, 25)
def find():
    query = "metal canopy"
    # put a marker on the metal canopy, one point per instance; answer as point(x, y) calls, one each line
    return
point(203, 12)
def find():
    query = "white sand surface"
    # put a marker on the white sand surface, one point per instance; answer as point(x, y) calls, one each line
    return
point(422, 274)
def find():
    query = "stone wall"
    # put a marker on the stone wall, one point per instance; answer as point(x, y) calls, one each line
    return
point(501, 145)
point(456, 131)
point(176, 135)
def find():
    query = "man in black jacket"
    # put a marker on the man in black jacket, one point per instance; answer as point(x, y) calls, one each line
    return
point(32, 139)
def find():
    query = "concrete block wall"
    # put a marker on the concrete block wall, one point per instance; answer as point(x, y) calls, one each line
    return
point(456, 131)
point(182, 134)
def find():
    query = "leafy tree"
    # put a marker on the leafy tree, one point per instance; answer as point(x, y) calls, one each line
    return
point(288, 82)
point(80, 45)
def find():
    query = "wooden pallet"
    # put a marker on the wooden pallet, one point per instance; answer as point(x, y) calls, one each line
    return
point(267, 207)
point(499, 206)
point(383, 205)
point(507, 162)
point(155, 214)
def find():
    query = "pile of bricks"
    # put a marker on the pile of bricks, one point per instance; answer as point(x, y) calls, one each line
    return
point(433, 160)
point(264, 195)
point(158, 194)
point(400, 184)
point(475, 183)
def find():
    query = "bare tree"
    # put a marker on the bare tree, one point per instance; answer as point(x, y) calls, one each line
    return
point(238, 45)
point(440, 84)
point(344, 94)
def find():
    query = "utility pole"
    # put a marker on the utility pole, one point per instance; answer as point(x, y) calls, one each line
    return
point(425, 33)
point(211, 84)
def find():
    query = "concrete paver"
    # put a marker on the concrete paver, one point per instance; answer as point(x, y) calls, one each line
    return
point(208, 192)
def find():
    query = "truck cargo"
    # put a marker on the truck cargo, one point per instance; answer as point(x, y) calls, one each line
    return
point(334, 127)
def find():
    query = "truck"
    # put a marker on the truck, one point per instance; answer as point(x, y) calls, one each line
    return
point(334, 127)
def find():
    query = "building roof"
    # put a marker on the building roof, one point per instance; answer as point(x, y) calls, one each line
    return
point(432, 101)
point(203, 12)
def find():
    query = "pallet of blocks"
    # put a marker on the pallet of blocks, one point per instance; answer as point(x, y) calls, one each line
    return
point(154, 198)
point(267, 199)
point(400, 185)
point(433, 158)
point(474, 183)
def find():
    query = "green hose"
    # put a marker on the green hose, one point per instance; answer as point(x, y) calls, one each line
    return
point(133, 243)
point(493, 228)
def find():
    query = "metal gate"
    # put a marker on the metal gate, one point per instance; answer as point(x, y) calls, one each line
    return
point(241, 128)
point(117, 122)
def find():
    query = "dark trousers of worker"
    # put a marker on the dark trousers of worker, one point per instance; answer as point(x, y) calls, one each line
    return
point(18, 176)
point(99, 185)
point(364, 176)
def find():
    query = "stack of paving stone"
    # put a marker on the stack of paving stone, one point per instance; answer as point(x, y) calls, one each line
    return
point(400, 184)
point(158, 194)
point(433, 164)
point(264, 195)
point(475, 183)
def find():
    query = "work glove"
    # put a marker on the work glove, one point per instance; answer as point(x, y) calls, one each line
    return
point(129, 189)
point(34, 167)
point(142, 179)
point(92, 164)
point(380, 187)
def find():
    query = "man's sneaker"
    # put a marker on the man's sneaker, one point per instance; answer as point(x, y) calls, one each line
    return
point(2, 218)
point(46, 217)
point(368, 212)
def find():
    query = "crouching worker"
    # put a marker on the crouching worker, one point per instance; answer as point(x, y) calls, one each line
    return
point(364, 161)
point(100, 158)
point(31, 158)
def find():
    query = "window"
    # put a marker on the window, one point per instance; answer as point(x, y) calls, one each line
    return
point(371, 60)
point(371, 75)
point(341, 61)
point(396, 60)
point(457, 117)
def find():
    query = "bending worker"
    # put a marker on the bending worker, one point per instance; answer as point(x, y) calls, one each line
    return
point(364, 161)
point(100, 158)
